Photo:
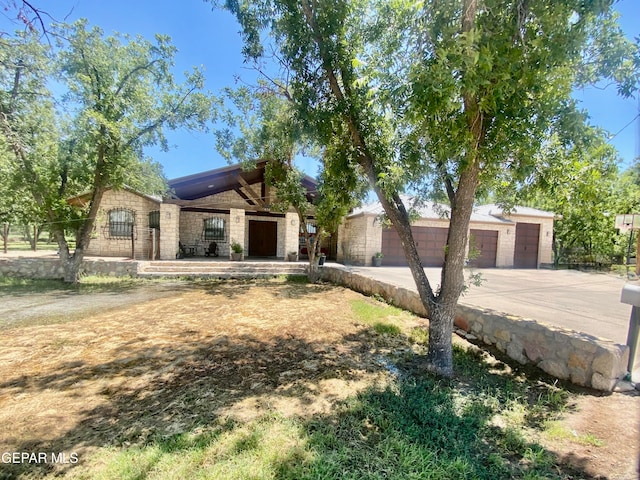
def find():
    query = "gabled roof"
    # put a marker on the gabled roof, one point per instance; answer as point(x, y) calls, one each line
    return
point(224, 179)
point(428, 210)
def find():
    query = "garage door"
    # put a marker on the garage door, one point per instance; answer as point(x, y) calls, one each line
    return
point(527, 238)
point(430, 242)
point(484, 244)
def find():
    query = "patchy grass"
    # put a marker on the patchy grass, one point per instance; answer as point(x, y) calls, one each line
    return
point(267, 380)
point(555, 430)
point(385, 319)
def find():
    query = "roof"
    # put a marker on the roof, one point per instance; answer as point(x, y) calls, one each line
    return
point(81, 199)
point(428, 210)
point(496, 210)
point(224, 179)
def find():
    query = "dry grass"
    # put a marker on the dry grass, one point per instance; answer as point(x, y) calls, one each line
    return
point(166, 366)
point(229, 379)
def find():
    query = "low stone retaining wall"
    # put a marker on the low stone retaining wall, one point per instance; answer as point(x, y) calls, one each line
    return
point(50, 268)
point(568, 355)
point(565, 354)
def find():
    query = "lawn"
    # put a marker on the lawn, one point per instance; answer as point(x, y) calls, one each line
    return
point(265, 379)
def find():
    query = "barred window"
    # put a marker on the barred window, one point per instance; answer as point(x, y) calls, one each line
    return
point(213, 228)
point(154, 219)
point(121, 222)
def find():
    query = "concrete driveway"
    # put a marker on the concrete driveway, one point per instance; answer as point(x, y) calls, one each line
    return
point(585, 302)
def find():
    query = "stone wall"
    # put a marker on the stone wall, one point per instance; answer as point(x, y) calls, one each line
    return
point(359, 238)
point(192, 231)
point(565, 354)
point(51, 269)
point(104, 245)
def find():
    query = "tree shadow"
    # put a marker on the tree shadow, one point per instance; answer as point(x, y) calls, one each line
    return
point(155, 392)
point(174, 399)
point(280, 288)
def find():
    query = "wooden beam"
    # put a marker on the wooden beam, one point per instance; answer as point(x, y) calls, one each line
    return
point(254, 196)
point(244, 196)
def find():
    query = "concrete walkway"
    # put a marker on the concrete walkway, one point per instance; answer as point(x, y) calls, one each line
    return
point(585, 302)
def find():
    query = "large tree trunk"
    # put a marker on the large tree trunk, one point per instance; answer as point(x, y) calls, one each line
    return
point(72, 262)
point(441, 307)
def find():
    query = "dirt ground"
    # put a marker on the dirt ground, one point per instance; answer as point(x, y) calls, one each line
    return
point(183, 355)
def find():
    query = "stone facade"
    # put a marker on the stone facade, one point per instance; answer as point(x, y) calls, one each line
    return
point(51, 268)
point(360, 237)
point(565, 354)
point(170, 231)
point(103, 243)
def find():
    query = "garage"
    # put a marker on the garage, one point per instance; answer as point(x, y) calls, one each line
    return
point(483, 246)
point(526, 248)
point(430, 242)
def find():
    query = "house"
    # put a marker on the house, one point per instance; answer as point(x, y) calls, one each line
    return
point(521, 238)
point(230, 204)
point(224, 205)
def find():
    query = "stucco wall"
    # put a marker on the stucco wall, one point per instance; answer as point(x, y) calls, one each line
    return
point(565, 354)
point(102, 244)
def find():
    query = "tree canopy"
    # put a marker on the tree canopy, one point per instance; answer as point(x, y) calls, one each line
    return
point(114, 96)
point(452, 98)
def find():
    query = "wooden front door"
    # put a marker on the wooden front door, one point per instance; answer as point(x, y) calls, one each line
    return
point(263, 238)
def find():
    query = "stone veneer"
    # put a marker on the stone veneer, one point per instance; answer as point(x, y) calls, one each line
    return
point(565, 354)
point(360, 237)
point(50, 268)
point(104, 245)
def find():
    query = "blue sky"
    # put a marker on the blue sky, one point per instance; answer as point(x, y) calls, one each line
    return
point(210, 38)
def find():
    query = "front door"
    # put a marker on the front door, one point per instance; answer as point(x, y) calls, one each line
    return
point(263, 238)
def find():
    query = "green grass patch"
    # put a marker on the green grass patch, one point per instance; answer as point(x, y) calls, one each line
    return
point(370, 311)
point(416, 429)
point(385, 319)
point(554, 430)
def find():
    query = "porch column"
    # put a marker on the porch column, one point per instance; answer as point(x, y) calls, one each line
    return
point(291, 233)
point(169, 230)
point(237, 230)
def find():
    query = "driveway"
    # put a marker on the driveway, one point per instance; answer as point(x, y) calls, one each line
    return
point(586, 302)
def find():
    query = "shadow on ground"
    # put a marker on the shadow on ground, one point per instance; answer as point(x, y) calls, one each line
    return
point(185, 400)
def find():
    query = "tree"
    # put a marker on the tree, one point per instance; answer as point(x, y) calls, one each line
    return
point(266, 128)
point(455, 95)
point(581, 185)
point(120, 97)
point(28, 131)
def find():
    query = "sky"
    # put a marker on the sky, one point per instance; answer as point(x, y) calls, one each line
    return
point(209, 38)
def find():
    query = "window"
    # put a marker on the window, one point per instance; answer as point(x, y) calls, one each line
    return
point(213, 229)
point(121, 223)
point(154, 219)
point(311, 229)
